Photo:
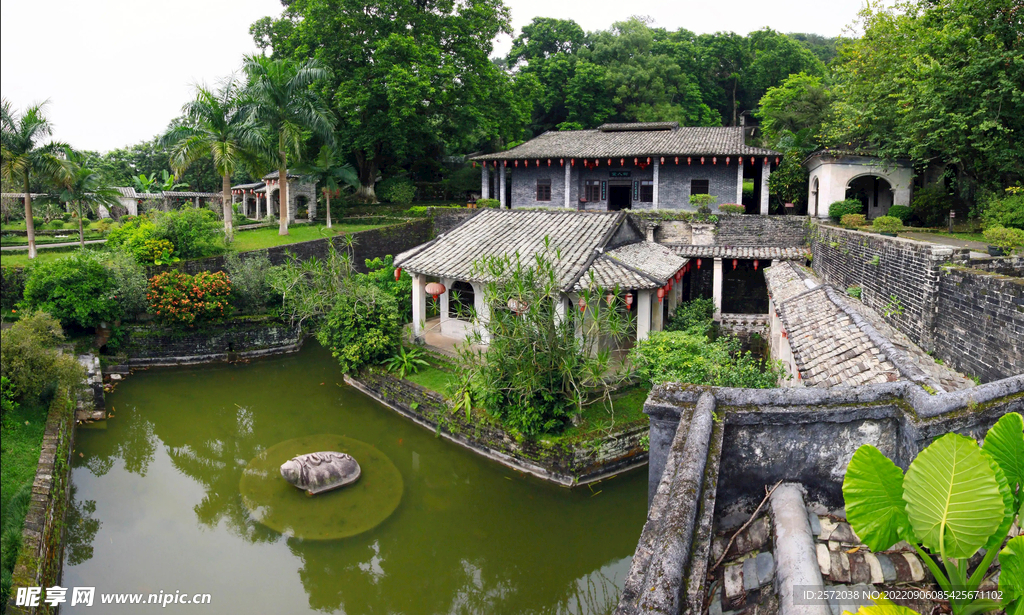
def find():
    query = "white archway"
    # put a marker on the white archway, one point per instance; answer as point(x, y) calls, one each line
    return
point(832, 173)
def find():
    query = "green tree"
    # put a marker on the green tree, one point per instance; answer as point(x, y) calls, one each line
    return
point(85, 190)
point(213, 125)
point(282, 109)
point(23, 158)
point(936, 80)
point(405, 75)
point(773, 58)
point(331, 175)
point(792, 112)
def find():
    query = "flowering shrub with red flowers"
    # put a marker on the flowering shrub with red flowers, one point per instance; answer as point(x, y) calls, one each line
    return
point(182, 299)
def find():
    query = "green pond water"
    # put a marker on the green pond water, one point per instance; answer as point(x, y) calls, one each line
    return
point(157, 505)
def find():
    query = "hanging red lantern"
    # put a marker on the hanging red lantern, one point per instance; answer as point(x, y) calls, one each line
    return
point(561, 161)
point(629, 300)
point(609, 299)
point(474, 164)
point(435, 289)
point(398, 273)
point(582, 303)
point(622, 162)
point(597, 162)
point(689, 160)
point(648, 160)
point(677, 159)
point(776, 160)
point(755, 265)
point(669, 285)
point(702, 159)
point(549, 162)
point(679, 275)
point(538, 164)
point(698, 262)
point(609, 162)
point(734, 263)
point(662, 160)
point(517, 163)
point(572, 162)
point(714, 160)
point(726, 161)
point(661, 294)
point(635, 161)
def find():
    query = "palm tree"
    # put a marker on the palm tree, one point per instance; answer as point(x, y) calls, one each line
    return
point(86, 188)
point(281, 104)
point(23, 158)
point(213, 125)
point(331, 174)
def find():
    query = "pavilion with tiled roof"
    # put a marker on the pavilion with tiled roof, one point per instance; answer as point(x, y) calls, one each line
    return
point(604, 251)
point(640, 165)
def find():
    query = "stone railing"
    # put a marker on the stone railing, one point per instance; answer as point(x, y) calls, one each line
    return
point(758, 437)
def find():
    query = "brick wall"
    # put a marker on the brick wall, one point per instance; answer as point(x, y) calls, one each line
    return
point(898, 276)
point(739, 230)
point(445, 220)
point(979, 329)
point(236, 338)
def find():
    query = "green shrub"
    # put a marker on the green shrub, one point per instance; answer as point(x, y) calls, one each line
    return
point(1006, 238)
point(103, 225)
point(381, 273)
point(76, 289)
point(423, 210)
point(250, 287)
point(703, 202)
point(931, 205)
point(55, 225)
point(131, 237)
point(30, 358)
point(129, 284)
point(732, 208)
point(37, 222)
point(398, 190)
point(837, 210)
point(695, 316)
point(159, 252)
point(180, 299)
point(1005, 211)
point(900, 211)
point(191, 230)
point(488, 203)
point(12, 288)
point(688, 357)
point(887, 224)
point(363, 328)
point(853, 220)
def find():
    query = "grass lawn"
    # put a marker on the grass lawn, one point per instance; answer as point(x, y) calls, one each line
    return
point(597, 418)
point(961, 236)
point(19, 258)
point(22, 437)
point(432, 377)
point(21, 240)
point(267, 237)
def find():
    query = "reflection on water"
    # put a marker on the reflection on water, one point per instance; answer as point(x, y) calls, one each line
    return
point(157, 507)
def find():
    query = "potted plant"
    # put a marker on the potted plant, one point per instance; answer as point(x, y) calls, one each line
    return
point(703, 202)
point(1004, 240)
point(887, 225)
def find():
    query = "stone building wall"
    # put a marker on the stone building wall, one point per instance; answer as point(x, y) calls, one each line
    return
point(979, 328)
point(898, 277)
point(738, 230)
point(236, 338)
point(558, 463)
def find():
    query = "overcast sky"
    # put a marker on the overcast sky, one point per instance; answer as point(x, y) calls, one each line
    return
point(116, 71)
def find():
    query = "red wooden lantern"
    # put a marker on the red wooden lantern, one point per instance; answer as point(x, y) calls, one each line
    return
point(435, 289)
point(538, 164)
point(582, 303)
point(702, 159)
point(609, 162)
point(679, 275)
point(689, 160)
point(517, 163)
point(549, 162)
point(755, 264)
point(635, 161)
point(776, 160)
point(698, 262)
point(561, 161)
point(474, 164)
point(648, 160)
point(629, 300)
point(734, 263)
point(609, 299)
point(597, 162)
point(662, 160)
point(726, 161)
point(677, 159)
point(398, 273)
point(622, 162)
point(751, 160)
point(714, 160)
point(572, 162)
point(661, 294)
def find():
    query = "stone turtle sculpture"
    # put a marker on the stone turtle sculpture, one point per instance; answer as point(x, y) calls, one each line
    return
point(318, 472)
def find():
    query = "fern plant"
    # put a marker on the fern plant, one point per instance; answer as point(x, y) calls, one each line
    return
point(406, 361)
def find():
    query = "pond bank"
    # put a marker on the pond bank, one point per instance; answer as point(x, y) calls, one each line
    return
point(568, 464)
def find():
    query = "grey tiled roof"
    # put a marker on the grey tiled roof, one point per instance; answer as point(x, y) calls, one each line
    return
point(192, 195)
point(638, 126)
point(684, 141)
point(496, 233)
point(653, 259)
point(128, 192)
point(277, 174)
point(251, 186)
point(745, 252)
point(607, 273)
point(150, 195)
point(828, 347)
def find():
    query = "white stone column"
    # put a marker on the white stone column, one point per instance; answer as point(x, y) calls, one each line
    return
point(657, 168)
point(501, 184)
point(419, 306)
point(445, 300)
point(657, 312)
point(485, 184)
point(739, 180)
point(673, 299)
point(258, 216)
point(643, 314)
point(568, 185)
point(766, 170)
point(716, 288)
point(483, 311)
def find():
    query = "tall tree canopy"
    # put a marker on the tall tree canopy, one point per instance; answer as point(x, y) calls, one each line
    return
point(405, 75)
point(937, 80)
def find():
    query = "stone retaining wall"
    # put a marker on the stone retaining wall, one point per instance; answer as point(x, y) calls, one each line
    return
point(42, 540)
point(772, 435)
point(970, 318)
point(563, 464)
point(238, 338)
point(738, 230)
point(979, 328)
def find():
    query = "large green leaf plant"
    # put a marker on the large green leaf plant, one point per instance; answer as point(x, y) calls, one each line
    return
point(955, 499)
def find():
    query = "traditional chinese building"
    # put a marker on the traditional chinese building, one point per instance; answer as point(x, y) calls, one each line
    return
point(260, 199)
point(652, 165)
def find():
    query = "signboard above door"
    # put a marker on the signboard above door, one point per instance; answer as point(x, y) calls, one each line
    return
point(619, 173)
